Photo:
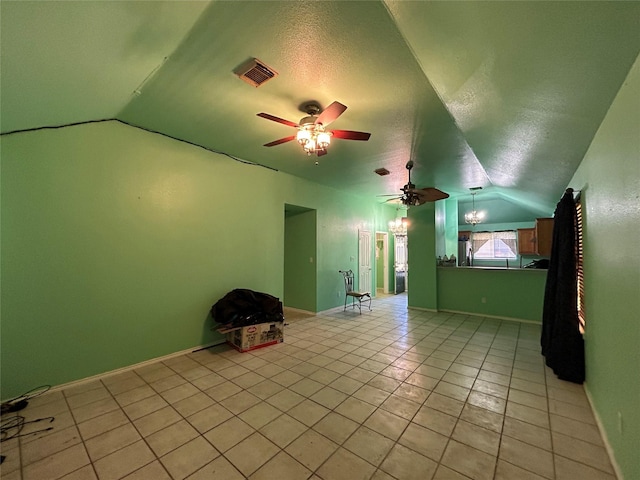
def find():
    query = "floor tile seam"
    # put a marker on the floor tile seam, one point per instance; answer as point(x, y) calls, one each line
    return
point(80, 439)
point(527, 469)
point(278, 450)
point(20, 455)
point(506, 414)
point(502, 435)
point(545, 397)
point(168, 405)
point(360, 424)
point(341, 445)
point(576, 436)
point(438, 462)
point(522, 440)
point(589, 465)
point(148, 445)
point(81, 387)
point(75, 424)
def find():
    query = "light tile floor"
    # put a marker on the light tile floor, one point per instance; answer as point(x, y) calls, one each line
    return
point(389, 394)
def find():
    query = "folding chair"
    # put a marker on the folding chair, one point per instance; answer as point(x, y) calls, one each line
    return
point(350, 292)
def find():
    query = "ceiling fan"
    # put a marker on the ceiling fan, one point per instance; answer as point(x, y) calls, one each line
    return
point(312, 133)
point(412, 196)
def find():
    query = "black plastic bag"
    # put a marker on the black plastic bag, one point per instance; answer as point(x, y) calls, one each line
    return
point(242, 307)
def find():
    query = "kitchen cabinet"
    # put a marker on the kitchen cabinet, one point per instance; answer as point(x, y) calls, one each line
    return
point(527, 241)
point(544, 236)
point(536, 240)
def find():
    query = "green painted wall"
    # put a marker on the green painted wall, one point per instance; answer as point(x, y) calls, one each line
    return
point(512, 293)
point(609, 178)
point(116, 242)
point(423, 286)
point(300, 261)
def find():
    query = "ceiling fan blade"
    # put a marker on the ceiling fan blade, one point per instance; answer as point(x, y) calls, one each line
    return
point(279, 141)
point(277, 119)
point(350, 135)
point(330, 113)
point(321, 152)
point(429, 194)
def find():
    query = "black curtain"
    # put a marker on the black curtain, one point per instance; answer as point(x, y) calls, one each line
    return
point(561, 340)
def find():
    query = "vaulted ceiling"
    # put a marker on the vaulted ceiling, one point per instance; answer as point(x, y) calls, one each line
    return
point(502, 95)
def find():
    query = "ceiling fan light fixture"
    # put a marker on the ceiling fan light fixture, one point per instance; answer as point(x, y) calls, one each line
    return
point(303, 136)
point(313, 138)
point(310, 147)
point(323, 140)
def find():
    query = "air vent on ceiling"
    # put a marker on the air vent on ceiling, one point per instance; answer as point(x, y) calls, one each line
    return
point(255, 72)
point(382, 171)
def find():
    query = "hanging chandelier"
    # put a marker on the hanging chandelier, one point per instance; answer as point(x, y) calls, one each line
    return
point(398, 227)
point(473, 217)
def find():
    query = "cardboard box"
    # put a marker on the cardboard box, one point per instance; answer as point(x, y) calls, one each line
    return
point(260, 335)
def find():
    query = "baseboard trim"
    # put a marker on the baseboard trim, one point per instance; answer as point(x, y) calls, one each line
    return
point(299, 310)
point(498, 317)
point(117, 371)
point(603, 434)
point(422, 309)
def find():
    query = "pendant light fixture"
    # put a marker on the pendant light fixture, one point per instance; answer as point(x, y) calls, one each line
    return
point(473, 217)
point(398, 227)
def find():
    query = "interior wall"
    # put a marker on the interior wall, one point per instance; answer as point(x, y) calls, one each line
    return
point(609, 181)
point(116, 242)
point(300, 261)
point(515, 294)
point(423, 287)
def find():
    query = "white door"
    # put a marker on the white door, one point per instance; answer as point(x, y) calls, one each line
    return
point(364, 261)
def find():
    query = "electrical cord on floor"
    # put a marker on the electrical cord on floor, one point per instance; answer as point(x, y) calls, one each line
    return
point(21, 401)
point(12, 427)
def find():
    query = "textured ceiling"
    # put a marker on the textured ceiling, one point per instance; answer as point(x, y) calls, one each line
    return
point(503, 95)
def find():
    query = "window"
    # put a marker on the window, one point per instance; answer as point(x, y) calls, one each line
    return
point(493, 245)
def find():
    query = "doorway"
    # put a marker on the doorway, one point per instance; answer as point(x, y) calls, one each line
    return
point(300, 272)
point(382, 262)
point(401, 266)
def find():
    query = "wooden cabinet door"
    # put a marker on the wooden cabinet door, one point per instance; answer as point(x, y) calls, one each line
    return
point(527, 241)
point(544, 236)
